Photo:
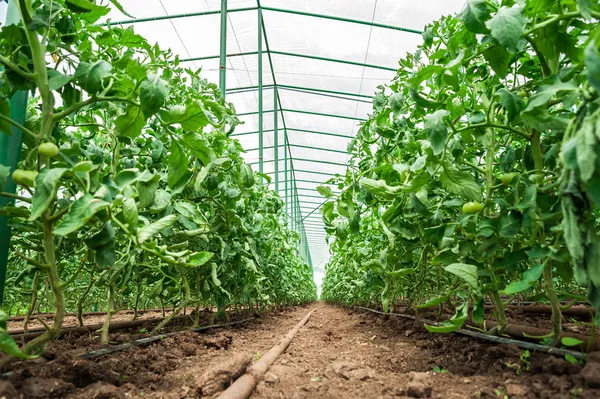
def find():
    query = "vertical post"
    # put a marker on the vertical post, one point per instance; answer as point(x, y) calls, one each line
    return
point(223, 54)
point(276, 140)
point(260, 95)
point(285, 172)
point(10, 153)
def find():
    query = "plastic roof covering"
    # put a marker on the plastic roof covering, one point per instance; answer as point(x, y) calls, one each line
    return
point(199, 36)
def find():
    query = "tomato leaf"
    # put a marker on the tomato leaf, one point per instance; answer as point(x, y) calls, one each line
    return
point(437, 130)
point(475, 14)
point(47, 183)
point(466, 272)
point(81, 211)
point(153, 94)
point(153, 229)
point(507, 26)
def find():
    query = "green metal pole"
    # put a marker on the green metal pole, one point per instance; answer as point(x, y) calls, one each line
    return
point(223, 55)
point(260, 95)
point(285, 170)
point(10, 154)
point(276, 142)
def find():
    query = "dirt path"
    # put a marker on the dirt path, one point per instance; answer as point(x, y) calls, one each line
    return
point(338, 354)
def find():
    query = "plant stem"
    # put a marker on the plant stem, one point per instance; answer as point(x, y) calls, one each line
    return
point(109, 313)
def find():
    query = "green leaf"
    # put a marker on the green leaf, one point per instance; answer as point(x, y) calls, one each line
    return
point(325, 191)
point(507, 26)
point(46, 186)
point(510, 225)
point(4, 173)
point(153, 229)
point(592, 65)
point(379, 187)
point(586, 149)
point(434, 301)
point(528, 280)
point(91, 75)
point(178, 168)
point(200, 258)
point(56, 80)
point(474, 15)
point(512, 103)
point(5, 126)
point(83, 6)
point(130, 213)
point(436, 130)
point(190, 117)
point(119, 7)
point(498, 58)
point(570, 341)
point(81, 211)
point(465, 271)
point(162, 199)
point(153, 94)
point(10, 347)
point(146, 190)
point(461, 183)
point(199, 146)
point(585, 8)
point(131, 123)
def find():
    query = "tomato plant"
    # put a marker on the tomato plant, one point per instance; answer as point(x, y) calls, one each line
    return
point(130, 187)
point(476, 176)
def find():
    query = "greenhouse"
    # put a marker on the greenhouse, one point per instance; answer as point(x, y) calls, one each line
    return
point(299, 199)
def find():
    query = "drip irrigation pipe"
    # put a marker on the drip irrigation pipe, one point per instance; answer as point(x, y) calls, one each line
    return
point(93, 328)
point(51, 315)
point(492, 338)
point(243, 387)
point(148, 340)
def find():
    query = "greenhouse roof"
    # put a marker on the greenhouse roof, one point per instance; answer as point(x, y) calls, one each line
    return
point(321, 60)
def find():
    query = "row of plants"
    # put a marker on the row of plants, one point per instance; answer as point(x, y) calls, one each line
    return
point(131, 193)
point(476, 178)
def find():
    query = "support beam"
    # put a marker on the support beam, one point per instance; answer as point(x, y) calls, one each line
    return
point(341, 19)
point(315, 57)
point(300, 88)
point(249, 133)
point(309, 147)
point(214, 57)
point(174, 16)
point(260, 93)
point(276, 142)
point(321, 133)
point(223, 48)
point(299, 111)
point(10, 154)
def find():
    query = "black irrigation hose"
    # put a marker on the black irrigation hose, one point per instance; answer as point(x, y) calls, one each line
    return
point(149, 340)
point(492, 338)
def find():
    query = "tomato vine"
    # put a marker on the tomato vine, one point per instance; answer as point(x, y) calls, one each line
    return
point(476, 176)
point(130, 188)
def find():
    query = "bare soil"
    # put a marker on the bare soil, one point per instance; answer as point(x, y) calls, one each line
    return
point(340, 353)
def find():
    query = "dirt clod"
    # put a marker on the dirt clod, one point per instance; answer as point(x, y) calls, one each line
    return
point(271, 377)
point(38, 387)
point(7, 390)
point(99, 390)
point(591, 374)
point(220, 376)
point(218, 341)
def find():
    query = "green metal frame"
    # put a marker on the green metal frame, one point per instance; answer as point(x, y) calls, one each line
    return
point(10, 153)
point(223, 48)
point(314, 57)
point(293, 204)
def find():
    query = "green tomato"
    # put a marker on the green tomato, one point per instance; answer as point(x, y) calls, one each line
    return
point(472, 207)
point(508, 177)
point(118, 199)
point(522, 94)
point(25, 177)
point(48, 150)
point(536, 178)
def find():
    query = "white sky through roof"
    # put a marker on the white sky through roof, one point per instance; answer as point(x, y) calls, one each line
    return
point(199, 36)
